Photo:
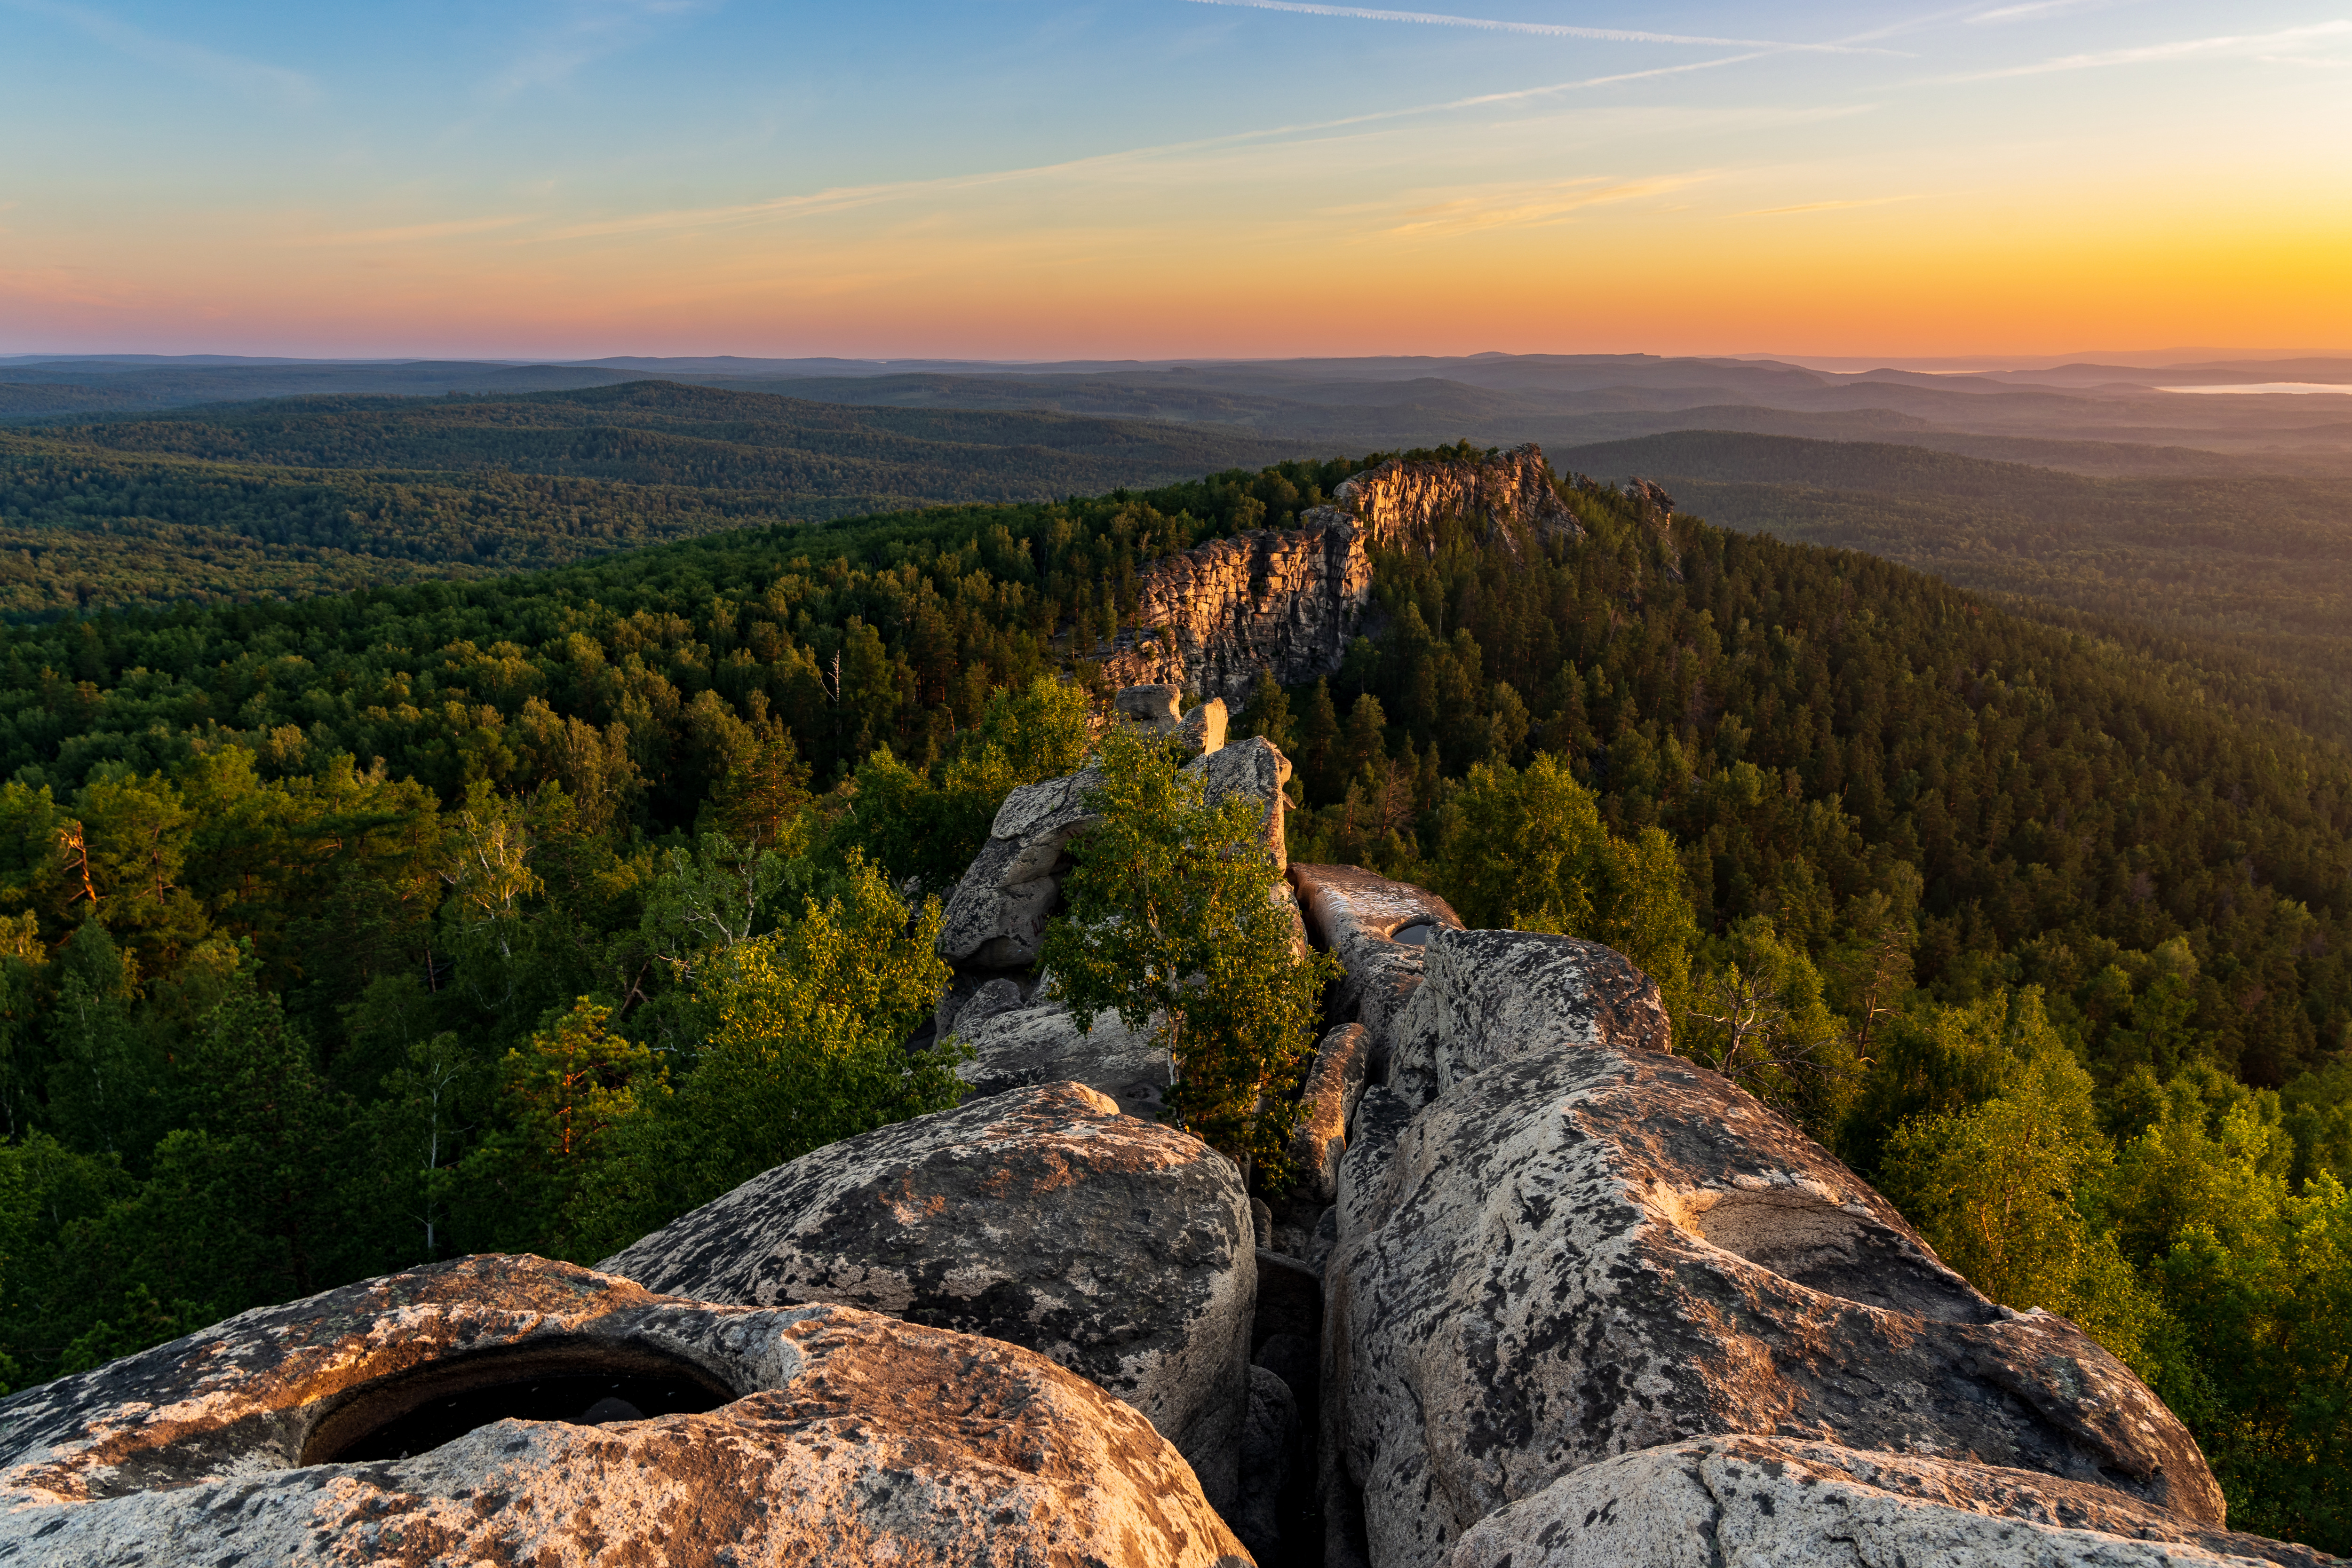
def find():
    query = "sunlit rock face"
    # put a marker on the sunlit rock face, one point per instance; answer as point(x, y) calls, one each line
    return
point(1288, 601)
point(1043, 1217)
point(495, 1410)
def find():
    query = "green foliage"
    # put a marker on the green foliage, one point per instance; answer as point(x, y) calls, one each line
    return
point(803, 1048)
point(1173, 927)
point(325, 494)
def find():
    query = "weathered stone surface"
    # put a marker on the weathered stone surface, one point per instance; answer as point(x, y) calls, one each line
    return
point(1154, 703)
point(1593, 1248)
point(1040, 1044)
point(1255, 769)
point(1358, 916)
point(995, 918)
point(1223, 611)
point(1763, 1503)
point(1288, 602)
point(1041, 1217)
point(971, 1001)
point(1398, 502)
point(1492, 996)
point(1204, 729)
point(838, 1435)
point(1333, 1086)
point(1267, 1439)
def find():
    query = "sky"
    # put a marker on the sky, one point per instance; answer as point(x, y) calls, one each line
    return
point(564, 178)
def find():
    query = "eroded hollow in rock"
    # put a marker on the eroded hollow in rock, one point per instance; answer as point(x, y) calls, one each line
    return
point(582, 1383)
point(1830, 1249)
point(1416, 934)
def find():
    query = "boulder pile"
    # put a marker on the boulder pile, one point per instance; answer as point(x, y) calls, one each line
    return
point(1544, 1295)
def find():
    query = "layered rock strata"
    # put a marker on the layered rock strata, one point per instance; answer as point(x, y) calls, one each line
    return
point(1580, 1246)
point(825, 1435)
point(1042, 1218)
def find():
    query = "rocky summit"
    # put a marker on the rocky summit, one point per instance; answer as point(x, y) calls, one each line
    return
point(1545, 1294)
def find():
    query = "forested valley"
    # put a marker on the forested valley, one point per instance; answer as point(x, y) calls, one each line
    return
point(2244, 574)
point(322, 494)
point(525, 913)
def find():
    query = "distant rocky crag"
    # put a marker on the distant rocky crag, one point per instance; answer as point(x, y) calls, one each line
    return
point(1545, 1295)
point(1288, 601)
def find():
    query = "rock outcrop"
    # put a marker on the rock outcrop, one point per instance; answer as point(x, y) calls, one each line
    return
point(1398, 503)
point(996, 917)
point(1766, 1503)
point(1493, 995)
point(1042, 1218)
point(1378, 930)
point(409, 1420)
point(1288, 601)
point(1582, 1247)
point(1334, 1084)
point(1041, 1043)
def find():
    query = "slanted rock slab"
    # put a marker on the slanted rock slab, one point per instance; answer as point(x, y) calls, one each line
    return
point(1042, 1218)
point(1334, 1084)
point(1021, 1047)
point(833, 1436)
point(1594, 1247)
point(1491, 996)
point(1377, 930)
point(1764, 1503)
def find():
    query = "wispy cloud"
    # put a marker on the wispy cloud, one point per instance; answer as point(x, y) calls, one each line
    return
point(2034, 10)
point(1824, 206)
point(176, 55)
point(2286, 44)
point(1525, 206)
point(593, 29)
point(844, 198)
point(1537, 29)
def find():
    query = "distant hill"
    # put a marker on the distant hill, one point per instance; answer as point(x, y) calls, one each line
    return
point(2258, 563)
point(306, 495)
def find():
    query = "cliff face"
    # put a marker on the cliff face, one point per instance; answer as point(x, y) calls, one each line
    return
point(1399, 502)
point(1289, 601)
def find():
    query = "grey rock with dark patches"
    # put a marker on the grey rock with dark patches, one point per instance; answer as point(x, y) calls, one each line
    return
point(1022, 1047)
point(1254, 769)
point(1492, 996)
point(1268, 1438)
point(971, 1002)
point(1540, 1273)
point(1334, 1084)
point(1766, 1503)
point(1355, 914)
point(995, 918)
point(842, 1436)
point(1041, 1217)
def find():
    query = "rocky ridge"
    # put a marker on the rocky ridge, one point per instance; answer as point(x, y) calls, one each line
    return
point(1289, 601)
point(1545, 1295)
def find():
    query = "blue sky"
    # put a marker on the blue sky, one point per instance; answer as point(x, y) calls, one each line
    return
point(1172, 176)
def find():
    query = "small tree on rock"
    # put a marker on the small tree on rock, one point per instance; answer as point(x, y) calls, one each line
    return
point(1173, 927)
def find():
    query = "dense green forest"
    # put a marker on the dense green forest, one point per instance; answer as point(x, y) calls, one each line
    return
point(2246, 574)
point(353, 931)
point(320, 494)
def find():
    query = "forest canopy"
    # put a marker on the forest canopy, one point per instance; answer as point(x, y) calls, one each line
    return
point(484, 904)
